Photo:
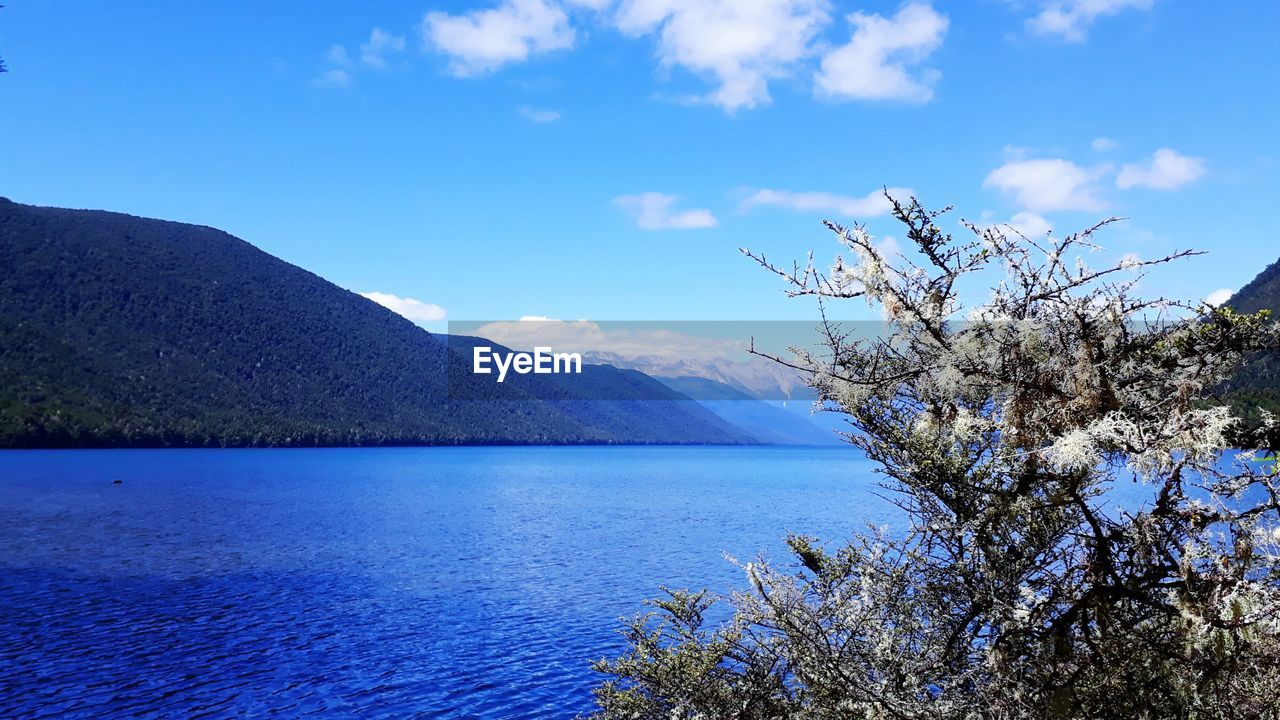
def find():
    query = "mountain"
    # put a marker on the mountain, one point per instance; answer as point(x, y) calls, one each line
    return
point(1262, 293)
point(752, 376)
point(124, 331)
point(1257, 386)
point(775, 422)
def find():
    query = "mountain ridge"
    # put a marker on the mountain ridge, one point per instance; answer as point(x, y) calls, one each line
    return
point(1255, 390)
point(118, 331)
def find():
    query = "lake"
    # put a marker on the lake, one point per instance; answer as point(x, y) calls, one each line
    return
point(373, 583)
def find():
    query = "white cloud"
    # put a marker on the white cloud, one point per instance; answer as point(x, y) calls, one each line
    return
point(742, 44)
point(874, 203)
point(874, 63)
point(414, 310)
point(1029, 224)
point(1104, 144)
point(482, 41)
point(337, 55)
point(381, 44)
point(1070, 19)
point(888, 247)
point(1218, 297)
point(1047, 184)
point(1016, 152)
point(653, 211)
point(333, 78)
point(539, 115)
point(1167, 170)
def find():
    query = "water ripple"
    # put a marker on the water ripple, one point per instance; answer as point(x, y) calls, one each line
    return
point(393, 583)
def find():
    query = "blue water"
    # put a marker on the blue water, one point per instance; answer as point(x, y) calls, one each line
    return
point(372, 583)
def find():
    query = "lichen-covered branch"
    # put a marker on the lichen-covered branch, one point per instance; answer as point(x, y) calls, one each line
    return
point(1014, 587)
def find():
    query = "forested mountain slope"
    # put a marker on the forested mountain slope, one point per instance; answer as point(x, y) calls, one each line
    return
point(1257, 386)
point(123, 331)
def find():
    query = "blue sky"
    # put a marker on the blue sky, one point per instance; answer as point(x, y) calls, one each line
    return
point(598, 159)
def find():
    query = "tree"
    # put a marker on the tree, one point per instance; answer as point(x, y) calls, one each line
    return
point(1012, 589)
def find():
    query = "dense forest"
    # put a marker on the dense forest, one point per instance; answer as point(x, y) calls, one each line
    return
point(1257, 386)
point(123, 331)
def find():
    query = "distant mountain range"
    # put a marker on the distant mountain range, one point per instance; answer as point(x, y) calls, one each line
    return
point(123, 331)
point(706, 361)
point(753, 376)
point(778, 422)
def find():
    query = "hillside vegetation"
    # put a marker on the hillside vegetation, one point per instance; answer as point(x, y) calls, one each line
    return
point(1257, 386)
point(123, 331)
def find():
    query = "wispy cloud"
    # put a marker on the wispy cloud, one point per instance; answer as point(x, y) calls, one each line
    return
point(1166, 170)
point(873, 65)
point(1071, 20)
point(654, 211)
point(482, 41)
point(338, 55)
point(338, 74)
point(1104, 144)
point(381, 44)
point(870, 205)
point(1025, 222)
point(1047, 184)
point(333, 77)
point(539, 115)
point(415, 310)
